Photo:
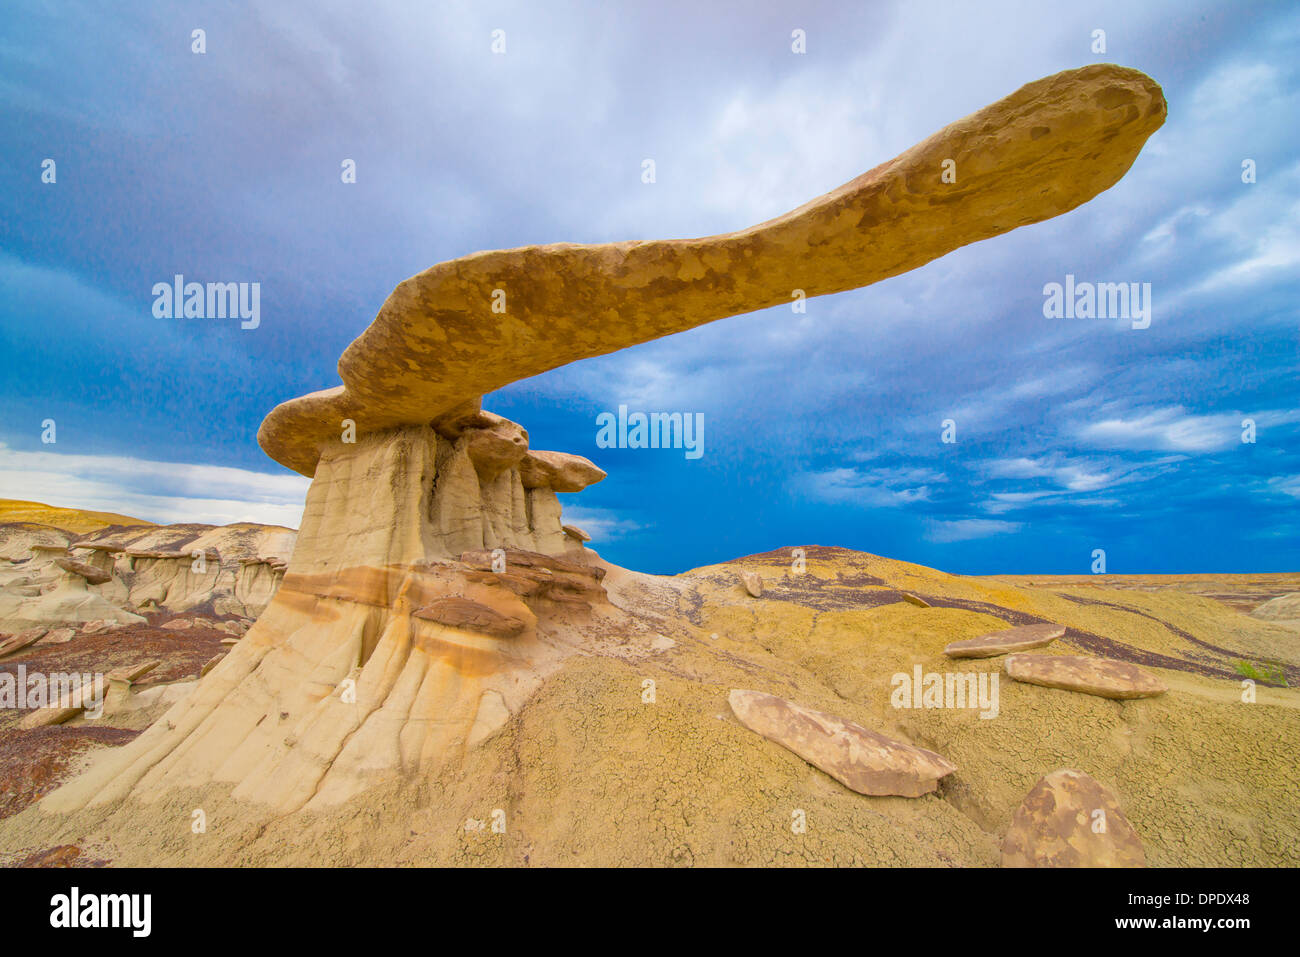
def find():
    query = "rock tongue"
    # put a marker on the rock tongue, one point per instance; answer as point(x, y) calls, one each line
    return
point(863, 760)
point(1020, 638)
point(1035, 154)
point(92, 575)
point(559, 471)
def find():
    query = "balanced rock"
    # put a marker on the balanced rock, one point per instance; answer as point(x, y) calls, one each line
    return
point(1105, 677)
point(1069, 820)
point(753, 584)
point(1020, 638)
point(133, 672)
point(386, 515)
point(92, 575)
point(863, 760)
point(496, 445)
point(70, 704)
point(573, 531)
point(1040, 152)
point(558, 471)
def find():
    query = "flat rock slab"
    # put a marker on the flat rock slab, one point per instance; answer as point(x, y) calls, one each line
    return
point(916, 600)
point(45, 717)
point(1021, 638)
point(1105, 677)
point(134, 672)
point(57, 636)
point(867, 762)
point(92, 575)
point(21, 640)
point(1069, 820)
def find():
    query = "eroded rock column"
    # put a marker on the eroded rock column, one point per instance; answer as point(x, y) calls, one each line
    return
point(430, 590)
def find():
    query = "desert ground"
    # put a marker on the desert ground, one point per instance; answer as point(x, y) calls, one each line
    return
point(626, 751)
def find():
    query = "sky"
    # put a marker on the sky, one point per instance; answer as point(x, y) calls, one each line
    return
point(1069, 435)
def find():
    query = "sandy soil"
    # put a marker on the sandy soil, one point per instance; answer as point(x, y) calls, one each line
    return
point(589, 772)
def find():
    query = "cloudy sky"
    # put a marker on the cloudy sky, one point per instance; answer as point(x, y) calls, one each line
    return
point(1071, 435)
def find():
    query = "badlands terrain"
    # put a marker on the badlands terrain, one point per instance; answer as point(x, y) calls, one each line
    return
point(437, 669)
point(596, 766)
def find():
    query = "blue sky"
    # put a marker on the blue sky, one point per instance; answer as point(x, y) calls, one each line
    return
point(1071, 435)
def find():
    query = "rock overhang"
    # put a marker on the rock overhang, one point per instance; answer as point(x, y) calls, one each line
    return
point(437, 345)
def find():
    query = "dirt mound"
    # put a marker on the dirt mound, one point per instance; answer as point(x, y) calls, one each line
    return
point(75, 520)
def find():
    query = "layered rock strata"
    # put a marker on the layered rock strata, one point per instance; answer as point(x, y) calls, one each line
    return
point(430, 589)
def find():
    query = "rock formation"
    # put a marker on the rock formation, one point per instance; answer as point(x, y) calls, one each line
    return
point(1283, 610)
point(120, 573)
point(864, 760)
point(1021, 638)
point(433, 585)
point(1069, 820)
point(1100, 676)
point(437, 344)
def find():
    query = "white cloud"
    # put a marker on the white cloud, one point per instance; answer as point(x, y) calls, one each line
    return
point(878, 488)
point(1286, 484)
point(1167, 229)
point(601, 524)
point(966, 529)
point(1170, 429)
point(1235, 87)
point(1076, 476)
point(166, 492)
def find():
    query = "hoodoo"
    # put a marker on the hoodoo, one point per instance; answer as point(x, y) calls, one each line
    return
point(432, 586)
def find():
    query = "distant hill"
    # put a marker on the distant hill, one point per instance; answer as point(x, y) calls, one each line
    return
point(75, 520)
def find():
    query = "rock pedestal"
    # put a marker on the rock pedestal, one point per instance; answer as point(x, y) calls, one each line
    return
point(430, 589)
point(385, 647)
